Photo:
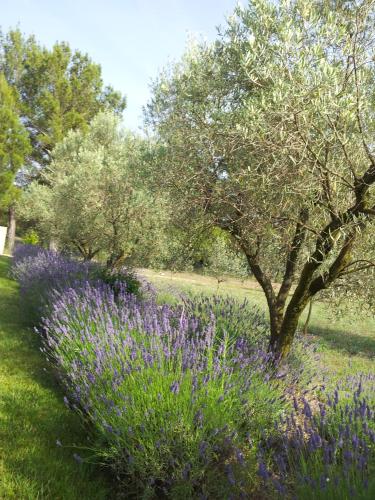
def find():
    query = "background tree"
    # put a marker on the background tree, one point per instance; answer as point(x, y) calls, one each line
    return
point(14, 146)
point(57, 90)
point(208, 252)
point(92, 197)
point(268, 134)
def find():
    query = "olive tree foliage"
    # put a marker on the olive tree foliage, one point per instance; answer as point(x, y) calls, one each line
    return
point(224, 261)
point(206, 252)
point(355, 290)
point(269, 134)
point(93, 198)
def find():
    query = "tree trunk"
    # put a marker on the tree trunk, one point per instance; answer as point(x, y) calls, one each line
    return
point(88, 256)
point(289, 327)
point(306, 325)
point(281, 340)
point(115, 260)
point(11, 228)
point(53, 244)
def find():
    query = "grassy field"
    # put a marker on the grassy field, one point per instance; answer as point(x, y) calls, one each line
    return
point(33, 417)
point(346, 344)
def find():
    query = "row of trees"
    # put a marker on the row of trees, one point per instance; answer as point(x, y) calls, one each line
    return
point(60, 130)
point(260, 145)
point(43, 94)
point(97, 198)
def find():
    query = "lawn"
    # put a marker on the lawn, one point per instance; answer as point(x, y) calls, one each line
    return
point(33, 417)
point(346, 344)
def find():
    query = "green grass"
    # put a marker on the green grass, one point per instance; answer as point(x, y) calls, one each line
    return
point(33, 416)
point(346, 344)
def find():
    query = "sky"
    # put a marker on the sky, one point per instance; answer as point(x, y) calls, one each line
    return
point(131, 39)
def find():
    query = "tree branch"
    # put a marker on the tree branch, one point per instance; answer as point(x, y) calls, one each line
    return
point(358, 112)
point(253, 261)
point(292, 258)
point(335, 270)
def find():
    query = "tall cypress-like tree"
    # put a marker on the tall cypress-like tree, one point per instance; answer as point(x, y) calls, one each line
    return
point(14, 146)
point(59, 89)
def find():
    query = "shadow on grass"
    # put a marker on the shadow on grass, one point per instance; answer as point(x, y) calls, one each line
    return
point(30, 424)
point(343, 340)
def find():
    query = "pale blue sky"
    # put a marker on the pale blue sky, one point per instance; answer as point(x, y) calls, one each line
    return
point(131, 39)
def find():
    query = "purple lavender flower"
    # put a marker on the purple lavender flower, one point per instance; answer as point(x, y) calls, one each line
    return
point(230, 474)
point(175, 387)
point(263, 471)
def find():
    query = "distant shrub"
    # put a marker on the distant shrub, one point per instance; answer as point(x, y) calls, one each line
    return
point(31, 237)
point(222, 260)
point(118, 279)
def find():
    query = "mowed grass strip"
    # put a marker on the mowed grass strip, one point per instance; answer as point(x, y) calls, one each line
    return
point(346, 343)
point(33, 417)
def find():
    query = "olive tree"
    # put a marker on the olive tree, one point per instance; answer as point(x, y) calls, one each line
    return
point(269, 134)
point(93, 198)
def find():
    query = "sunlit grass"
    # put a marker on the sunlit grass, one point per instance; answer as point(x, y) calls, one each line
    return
point(33, 416)
point(346, 344)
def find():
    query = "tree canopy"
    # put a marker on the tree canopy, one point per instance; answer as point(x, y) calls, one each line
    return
point(268, 134)
point(14, 142)
point(59, 89)
point(92, 197)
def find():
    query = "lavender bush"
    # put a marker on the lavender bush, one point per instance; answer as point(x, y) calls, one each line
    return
point(177, 409)
point(181, 400)
point(326, 447)
point(243, 319)
point(40, 271)
point(231, 316)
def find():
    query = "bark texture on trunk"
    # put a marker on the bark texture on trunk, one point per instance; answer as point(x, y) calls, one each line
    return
point(53, 244)
point(11, 236)
point(116, 260)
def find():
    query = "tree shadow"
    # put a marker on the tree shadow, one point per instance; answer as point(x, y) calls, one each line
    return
point(342, 340)
point(30, 424)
